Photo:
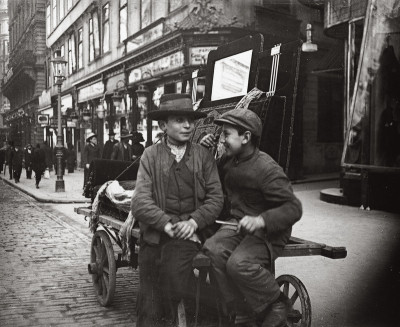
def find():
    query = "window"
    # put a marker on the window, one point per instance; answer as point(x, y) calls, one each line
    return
point(123, 15)
point(94, 40)
point(54, 14)
point(69, 4)
point(71, 54)
point(80, 48)
point(174, 4)
point(145, 9)
point(106, 28)
point(61, 9)
point(91, 40)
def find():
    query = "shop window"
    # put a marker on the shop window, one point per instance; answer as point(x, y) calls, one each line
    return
point(373, 135)
point(80, 48)
point(123, 23)
point(106, 27)
point(330, 110)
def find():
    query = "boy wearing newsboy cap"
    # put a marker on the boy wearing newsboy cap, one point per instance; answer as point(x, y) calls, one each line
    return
point(178, 194)
point(261, 201)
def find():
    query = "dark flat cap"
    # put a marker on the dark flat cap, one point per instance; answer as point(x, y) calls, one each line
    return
point(244, 118)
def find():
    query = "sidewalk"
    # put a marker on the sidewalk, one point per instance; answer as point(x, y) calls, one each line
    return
point(46, 192)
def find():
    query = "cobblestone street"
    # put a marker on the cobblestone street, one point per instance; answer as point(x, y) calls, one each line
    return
point(43, 264)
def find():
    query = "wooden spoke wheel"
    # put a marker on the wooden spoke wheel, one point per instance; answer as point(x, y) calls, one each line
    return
point(294, 289)
point(102, 267)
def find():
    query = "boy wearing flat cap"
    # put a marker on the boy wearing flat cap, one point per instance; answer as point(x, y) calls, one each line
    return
point(260, 200)
point(178, 194)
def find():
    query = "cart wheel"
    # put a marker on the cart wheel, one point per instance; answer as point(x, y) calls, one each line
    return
point(102, 267)
point(294, 289)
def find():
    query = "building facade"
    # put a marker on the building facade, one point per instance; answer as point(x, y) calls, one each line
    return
point(117, 50)
point(4, 48)
point(24, 79)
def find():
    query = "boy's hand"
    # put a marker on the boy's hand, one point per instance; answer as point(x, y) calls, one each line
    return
point(249, 224)
point(168, 229)
point(184, 229)
point(208, 141)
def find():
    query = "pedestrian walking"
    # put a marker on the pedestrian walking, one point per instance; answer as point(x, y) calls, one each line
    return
point(137, 148)
point(28, 156)
point(71, 158)
point(38, 163)
point(108, 147)
point(9, 157)
point(178, 194)
point(3, 157)
point(123, 150)
point(90, 151)
point(17, 163)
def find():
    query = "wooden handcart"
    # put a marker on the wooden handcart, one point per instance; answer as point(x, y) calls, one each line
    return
point(104, 263)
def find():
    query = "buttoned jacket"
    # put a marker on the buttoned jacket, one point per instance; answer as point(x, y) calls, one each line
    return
point(149, 200)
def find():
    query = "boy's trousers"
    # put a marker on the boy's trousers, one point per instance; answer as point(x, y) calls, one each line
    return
point(241, 268)
point(165, 277)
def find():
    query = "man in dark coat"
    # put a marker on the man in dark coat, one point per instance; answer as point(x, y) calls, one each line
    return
point(71, 158)
point(137, 148)
point(3, 157)
point(108, 147)
point(38, 163)
point(17, 163)
point(49, 155)
point(91, 151)
point(123, 150)
point(28, 156)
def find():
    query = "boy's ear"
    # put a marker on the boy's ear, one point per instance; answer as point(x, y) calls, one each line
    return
point(246, 137)
point(161, 124)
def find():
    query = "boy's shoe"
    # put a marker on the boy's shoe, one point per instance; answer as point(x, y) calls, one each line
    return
point(277, 312)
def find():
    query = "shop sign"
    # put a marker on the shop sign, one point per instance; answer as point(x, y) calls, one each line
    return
point(71, 123)
point(198, 55)
point(54, 122)
point(157, 67)
point(144, 38)
point(43, 120)
point(91, 91)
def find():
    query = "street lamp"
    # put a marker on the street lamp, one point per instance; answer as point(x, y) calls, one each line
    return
point(59, 76)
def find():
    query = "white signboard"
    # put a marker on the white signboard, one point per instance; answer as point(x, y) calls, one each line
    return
point(91, 91)
point(198, 55)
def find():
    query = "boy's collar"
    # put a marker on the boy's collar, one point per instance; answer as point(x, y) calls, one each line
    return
point(237, 160)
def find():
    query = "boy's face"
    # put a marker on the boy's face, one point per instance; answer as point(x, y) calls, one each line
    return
point(232, 141)
point(178, 129)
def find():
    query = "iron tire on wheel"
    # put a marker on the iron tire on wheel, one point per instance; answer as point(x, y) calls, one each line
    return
point(103, 267)
point(293, 288)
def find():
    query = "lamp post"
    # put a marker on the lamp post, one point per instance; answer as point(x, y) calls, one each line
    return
point(59, 75)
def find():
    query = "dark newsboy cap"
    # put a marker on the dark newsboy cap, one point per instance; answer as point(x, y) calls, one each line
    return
point(244, 118)
point(175, 104)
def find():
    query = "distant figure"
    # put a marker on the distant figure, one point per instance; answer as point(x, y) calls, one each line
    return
point(3, 157)
point(91, 151)
point(28, 156)
point(123, 150)
point(137, 148)
point(109, 145)
point(71, 158)
point(38, 163)
point(17, 163)
point(49, 155)
point(9, 157)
